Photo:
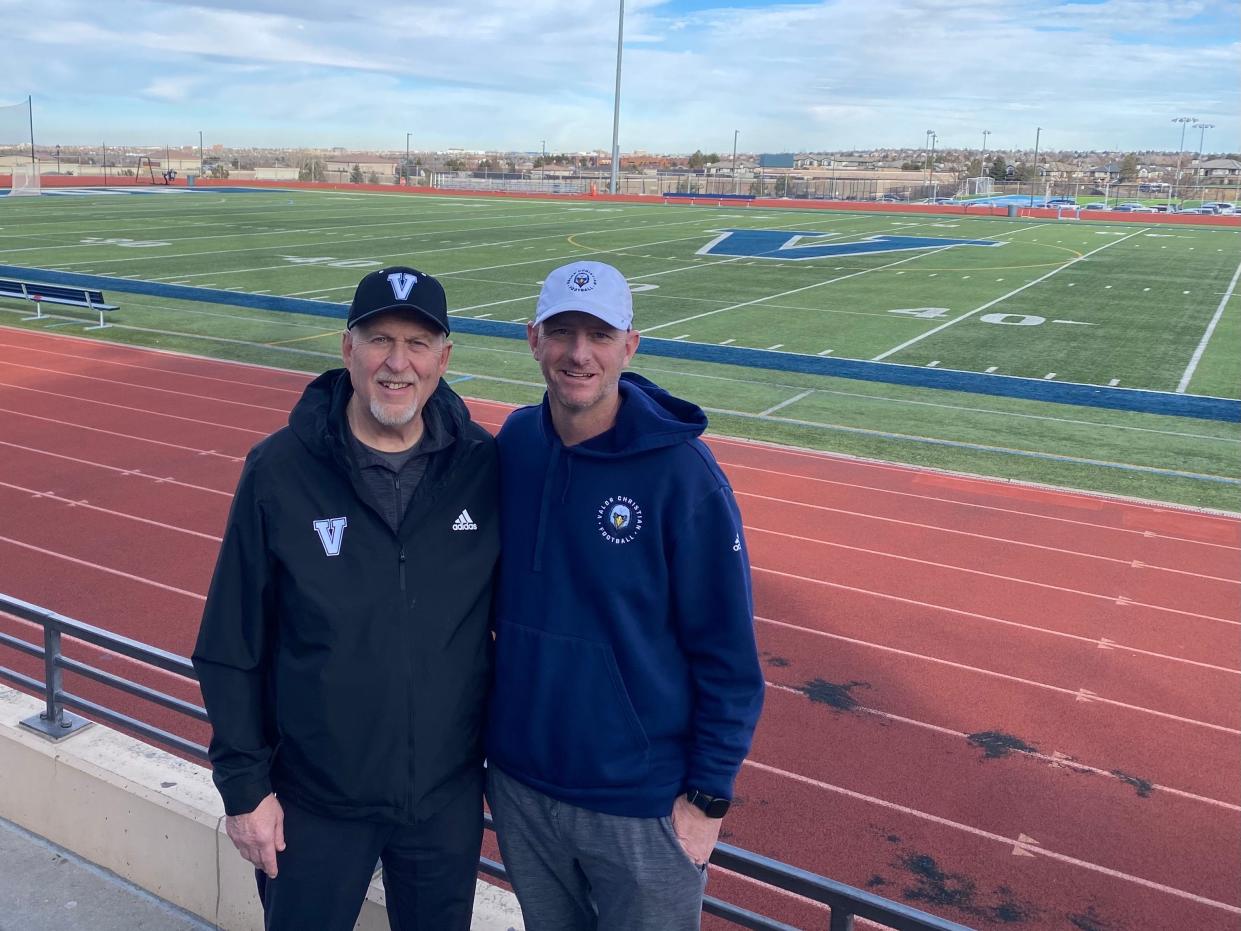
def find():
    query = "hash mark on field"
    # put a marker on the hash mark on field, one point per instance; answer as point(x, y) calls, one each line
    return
point(1071, 283)
point(990, 369)
point(827, 352)
point(932, 365)
point(776, 346)
point(518, 320)
point(784, 404)
point(1113, 383)
point(682, 336)
point(1184, 292)
point(482, 316)
point(933, 275)
point(1146, 289)
point(1107, 287)
point(1049, 376)
point(727, 341)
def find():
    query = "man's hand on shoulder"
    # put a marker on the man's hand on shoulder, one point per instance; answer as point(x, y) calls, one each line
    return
point(259, 835)
point(696, 832)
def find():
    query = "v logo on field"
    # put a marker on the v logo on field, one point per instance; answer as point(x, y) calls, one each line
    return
point(787, 245)
point(331, 533)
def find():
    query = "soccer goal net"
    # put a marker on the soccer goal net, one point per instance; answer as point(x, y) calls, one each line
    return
point(16, 150)
point(979, 187)
point(25, 180)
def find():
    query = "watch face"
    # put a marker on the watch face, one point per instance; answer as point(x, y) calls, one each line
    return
point(718, 808)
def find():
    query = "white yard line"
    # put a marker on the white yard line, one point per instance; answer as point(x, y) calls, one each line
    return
point(1206, 337)
point(1004, 297)
point(784, 404)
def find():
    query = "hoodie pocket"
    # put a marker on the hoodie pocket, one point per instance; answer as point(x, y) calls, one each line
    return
point(561, 714)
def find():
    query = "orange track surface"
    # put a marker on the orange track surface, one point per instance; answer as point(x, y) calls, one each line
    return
point(1090, 646)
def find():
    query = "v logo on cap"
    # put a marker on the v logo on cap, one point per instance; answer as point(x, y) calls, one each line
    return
point(402, 283)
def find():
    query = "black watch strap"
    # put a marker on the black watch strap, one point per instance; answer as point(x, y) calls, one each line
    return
point(712, 806)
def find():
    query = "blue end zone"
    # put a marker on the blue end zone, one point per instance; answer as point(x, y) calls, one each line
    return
point(1121, 399)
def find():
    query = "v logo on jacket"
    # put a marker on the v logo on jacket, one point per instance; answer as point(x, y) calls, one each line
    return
point(331, 531)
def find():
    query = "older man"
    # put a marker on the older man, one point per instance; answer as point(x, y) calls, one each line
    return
point(344, 649)
point(627, 679)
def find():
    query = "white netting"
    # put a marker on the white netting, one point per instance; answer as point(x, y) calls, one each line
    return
point(25, 180)
point(980, 187)
point(16, 148)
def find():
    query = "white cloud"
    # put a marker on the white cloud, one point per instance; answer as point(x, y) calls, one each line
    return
point(814, 75)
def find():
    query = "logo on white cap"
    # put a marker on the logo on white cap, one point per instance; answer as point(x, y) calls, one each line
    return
point(593, 288)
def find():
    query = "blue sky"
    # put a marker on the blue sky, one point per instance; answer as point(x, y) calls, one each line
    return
point(801, 76)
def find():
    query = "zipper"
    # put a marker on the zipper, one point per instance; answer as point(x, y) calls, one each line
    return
point(401, 561)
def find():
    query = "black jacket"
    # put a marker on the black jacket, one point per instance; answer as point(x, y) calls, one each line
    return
point(355, 683)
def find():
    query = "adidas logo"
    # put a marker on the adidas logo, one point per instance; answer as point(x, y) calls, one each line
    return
point(464, 522)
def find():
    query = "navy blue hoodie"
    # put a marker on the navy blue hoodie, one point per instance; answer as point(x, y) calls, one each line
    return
point(626, 667)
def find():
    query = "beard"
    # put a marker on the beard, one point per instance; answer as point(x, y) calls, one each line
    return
point(391, 416)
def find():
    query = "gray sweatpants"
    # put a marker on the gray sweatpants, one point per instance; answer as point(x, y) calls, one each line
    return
point(580, 870)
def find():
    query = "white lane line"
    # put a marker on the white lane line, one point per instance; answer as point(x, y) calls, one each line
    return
point(124, 515)
point(128, 408)
point(1081, 694)
point(1006, 841)
point(101, 568)
point(1003, 297)
point(1114, 599)
point(140, 387)
point(1206, 337)
point(177, 372)
point(125, 436)
point(134, 472)
point(784, 404)
point(1230, 521)
point(982, 536)
point(1049, 759)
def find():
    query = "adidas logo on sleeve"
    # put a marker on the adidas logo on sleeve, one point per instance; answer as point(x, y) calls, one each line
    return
point(464, 522)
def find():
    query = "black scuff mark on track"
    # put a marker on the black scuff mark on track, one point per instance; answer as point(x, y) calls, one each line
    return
point(1144, 787)
point(875, 882)
point(779, 661)
point(1089, 920)
point(836, 695)
point(997, 744)
point(937, 887)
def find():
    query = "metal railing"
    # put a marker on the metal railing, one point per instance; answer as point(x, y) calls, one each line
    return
point(845, 902)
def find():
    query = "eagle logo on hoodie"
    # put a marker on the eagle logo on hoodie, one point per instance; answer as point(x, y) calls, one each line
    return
point(619, 519)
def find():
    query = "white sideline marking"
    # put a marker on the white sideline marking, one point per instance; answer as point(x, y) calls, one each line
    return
point(783, 404)
point(1004, 297)
point(1206, 337)
point(1006, 841)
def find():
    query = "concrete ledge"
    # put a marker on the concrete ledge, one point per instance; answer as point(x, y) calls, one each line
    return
point(153, 819)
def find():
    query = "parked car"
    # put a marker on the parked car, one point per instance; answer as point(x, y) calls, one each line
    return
point(1062, 202)
point(1221, 207)
point(1095, 207)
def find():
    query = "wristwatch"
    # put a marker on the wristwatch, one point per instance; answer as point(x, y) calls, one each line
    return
point(712, 806)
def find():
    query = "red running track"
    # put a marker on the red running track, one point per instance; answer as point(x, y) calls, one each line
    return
point(1011, 706)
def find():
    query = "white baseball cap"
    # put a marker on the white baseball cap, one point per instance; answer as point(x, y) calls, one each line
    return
point(593, 288)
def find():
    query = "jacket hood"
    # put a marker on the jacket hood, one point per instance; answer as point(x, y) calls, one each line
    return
point(318, 418)
point(649, 418)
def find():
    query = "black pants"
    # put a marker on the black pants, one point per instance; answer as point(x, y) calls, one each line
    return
point(429, 869)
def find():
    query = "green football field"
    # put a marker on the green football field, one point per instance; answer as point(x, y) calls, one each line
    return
point(1118, 305)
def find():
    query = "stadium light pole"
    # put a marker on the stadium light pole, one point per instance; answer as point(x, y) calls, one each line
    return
point(1038, 131)
point(1184, 121)
point(405, 173)
point(58, 160)
point(735, 133)
point(930, 161)
point(1202, 132)
point(620, 43)
point(200, 153)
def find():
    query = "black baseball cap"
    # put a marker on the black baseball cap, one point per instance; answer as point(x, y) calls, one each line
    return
point(399, 288)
